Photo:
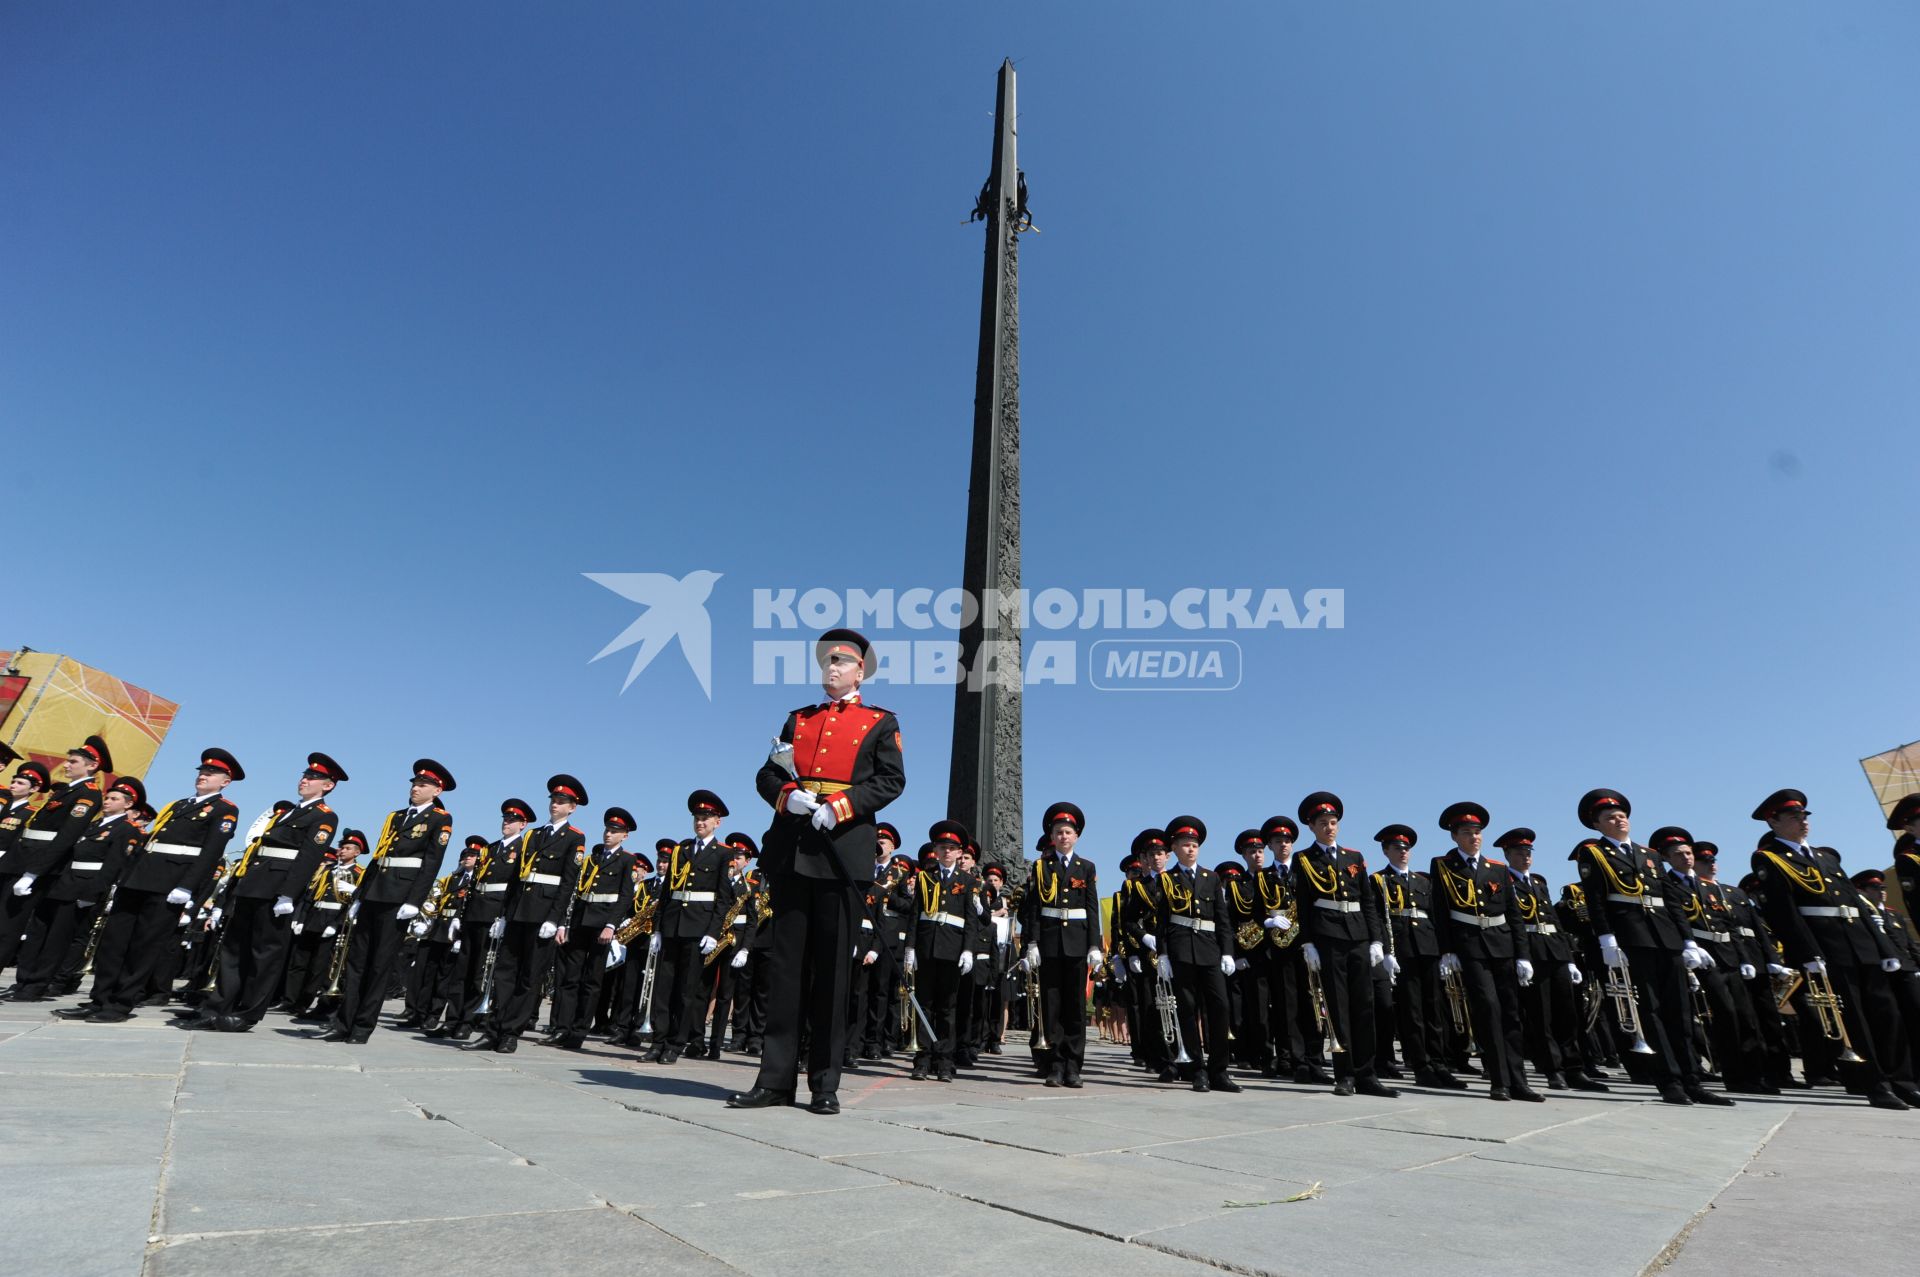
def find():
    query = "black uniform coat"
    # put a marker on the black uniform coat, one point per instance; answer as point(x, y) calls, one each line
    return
point(1642, 920)
point(97, 861)
point(289, 852)
point(700, 871)
point(1481, 890)
point(419, 836)
point(1337, 875)
point(554, 857)
point(189, 837)
point(1407, 893)
point(1200, 896)
point(46, 837)
point(1054, 886)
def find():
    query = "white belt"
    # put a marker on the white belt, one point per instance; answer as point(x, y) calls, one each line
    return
point(1644, 901)
point(545, 880)
point(174, 849)
point(493, 888)
point(1829, 911)
point(1719, 937)
point(401, 862)
point(326, 904)
point(602, 897)
point(889, 913)
point(39, 835)
point(694, 897)
point(1479, 920)
point(1542, 929)
point(944, 919)
point(1413, 913)
point(1338, 906)
point(1197, 924)
point(1065, 915)
point(866, 924)
point(88, 865)
point(277, 853)
point(1748, 932)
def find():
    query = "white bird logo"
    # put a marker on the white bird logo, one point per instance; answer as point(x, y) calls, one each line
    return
point(674, 609)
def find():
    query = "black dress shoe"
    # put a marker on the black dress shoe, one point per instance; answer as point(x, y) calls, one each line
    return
point(1556, 1081)
point(1054, 1079)
point(1200, 1083)
point(506, 1046)
point(1220, 1083)
point(760, 1097)
point(1671, 1094)
point(658, 1055)
point(484, 1042)
point(1073, 1080)
point(1883, 1098)
point(30, 995)
point(1581, 1082)
point(437, 1034)
point(993, 1048)
point(1909, 1095)
point(337, 1035)
point(1526, 1093)
point(919, 1074)
point(81, 1012)
point(944, 1075)
point(1367, 1086)
point(1168, 1075)
point(827, 1103)
point(1467, 1067)
point(110, 1015)
point(1499, 1093)
point(1389, 1072)
point(1269, 1071)
point(1308, 1074)
point(1343, 1086)
point(1701, 1095)
point(409, 1022)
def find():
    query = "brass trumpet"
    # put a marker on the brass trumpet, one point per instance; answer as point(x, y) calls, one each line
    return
point(1827, 1006)
point(1168, 1006)
point(1324, 1017)
point(1033, 1007)
point(1457, 1004)
point(1626, 1005)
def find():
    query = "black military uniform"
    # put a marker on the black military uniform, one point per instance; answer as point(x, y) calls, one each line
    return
point(601, 893)
point(545, 864)
point(1551, 1015)
point(1904, 819)
point(1060, 920)
point(697, 895)
point(433, 990)
point(729, 962)
point(1905, 982)
point(43, 843)
point(1419, 1008)
point(631, 1021)
point(992, 961)
point(948, 915)
point(486, 905)
point(400, 874)
point(1819, 917)
point(1140, 901)
point(1340, 919)
point(1754, 947)
point(319, 923)
point(174, 869)
point(68, 907)
point(844, 756)
point(1729, 1029)
point(1627, 900)
point(1193, 936)
point(884, 921)
point(1480, 924)
point(257, 924)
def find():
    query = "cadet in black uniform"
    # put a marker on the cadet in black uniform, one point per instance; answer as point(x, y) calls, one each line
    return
point(696, 897)
point(319, 920)
point(628, 1015)
point(1342, 937)
point(1060, 919)
point(948, 909)
point(728, 963)
point(257, 923)
point(888, 912)
point(486, 904)
point(544, 863)
point(400, 873)
point(1872, 886)
point(65, 909)
point(1193, 937)
point(600, 897)
point(46, 837)
point(1817, 915)
point(433, 998)
point(1551, 1016)
point(1730, 1030)
point(1419, 1008)
point(174, 869)
point(1483, 937)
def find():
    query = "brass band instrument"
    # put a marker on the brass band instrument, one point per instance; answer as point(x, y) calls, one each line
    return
point(1703, 1016)
point(1033, 1007)
point(641, 923)
point(1784, 987)
point(1321, 1013)
point(1169, 1008)
point(1626, 1005)
point(486, 972)
point(93, 935)
point(1827, 1007)
point(1457, 1003)
point(727, 936)
point(910, 1023)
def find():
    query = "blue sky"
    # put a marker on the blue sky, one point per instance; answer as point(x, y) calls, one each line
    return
point(1574, 345)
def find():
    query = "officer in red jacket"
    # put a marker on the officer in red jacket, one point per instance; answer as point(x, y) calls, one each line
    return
point(834, 767)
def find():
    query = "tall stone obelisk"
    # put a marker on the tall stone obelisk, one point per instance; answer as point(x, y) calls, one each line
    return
point(983, 790)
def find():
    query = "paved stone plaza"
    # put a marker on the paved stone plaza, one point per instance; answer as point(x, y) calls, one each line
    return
point(142, 1148)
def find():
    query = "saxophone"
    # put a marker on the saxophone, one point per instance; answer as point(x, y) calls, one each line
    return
point(727, 936)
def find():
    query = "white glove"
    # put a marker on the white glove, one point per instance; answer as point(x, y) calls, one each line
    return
point(1747, 972)
point(800, 802)
point(1275, 920)
point(1226, 964)
point(298, 928)
point(653, 945)
point(179, 896)
point(1094, 959)
point(353, 911)
point(1376, 953)
point(913, 961)
point(1165, 967)
point(1033, 957)
point(707, 945)
point(1524, 970)
point(282, 906)
point(213, 919)
point(740, 960)
point(83, 904)
point(1133, 965)
point(1774, 968)
point(547, 930)
point(453, 927)
point(1889, 965)
point(1240, 964)
point(873, 956)
point(616, 954)
point(405, 912)
point(326, 933)
point(823, 817)
point(1575, 976)
point(1817, 967)
point(456, 946)
point(497, 928)
point(24, 885)
point(419, 928)
point(1610, 951)
point(966, 963)
point(1393, 967)
point(1692, 957)
point(1449, 964)
point(1310, 956)
point(1153, 946)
